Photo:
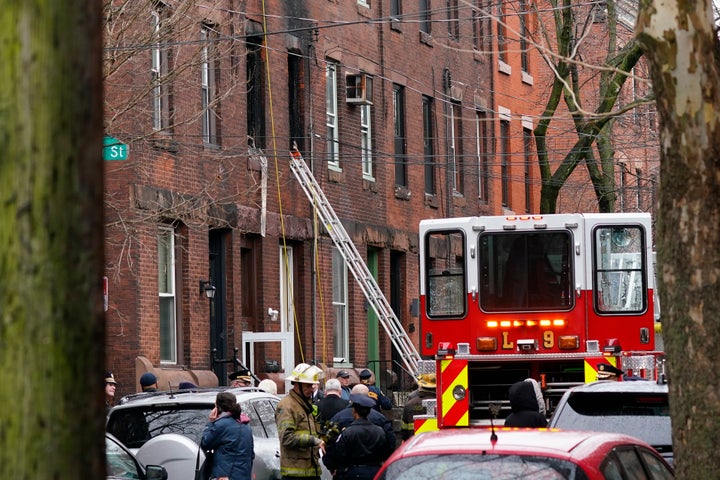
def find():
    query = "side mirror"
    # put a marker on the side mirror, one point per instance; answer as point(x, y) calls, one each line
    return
point(156, 472)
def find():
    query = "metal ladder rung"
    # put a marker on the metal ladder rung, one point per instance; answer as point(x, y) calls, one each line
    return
point(357, 266)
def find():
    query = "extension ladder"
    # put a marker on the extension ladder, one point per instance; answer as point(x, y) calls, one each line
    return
point(376, 298)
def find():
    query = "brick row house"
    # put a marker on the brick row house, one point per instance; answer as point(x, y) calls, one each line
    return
point(403, 110)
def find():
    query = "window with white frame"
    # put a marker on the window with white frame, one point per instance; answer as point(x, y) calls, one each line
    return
point(166, 292)
point(331, 110)
point(366, 141)
point(159, 70)
point(287, 299)
point(341, 335)
point(482, 153)
point(208, 67)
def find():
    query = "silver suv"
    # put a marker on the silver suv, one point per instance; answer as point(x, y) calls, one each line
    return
point(637, 408)
point(165, 428)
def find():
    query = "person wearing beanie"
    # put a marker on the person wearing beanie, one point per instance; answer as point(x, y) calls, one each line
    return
point(148, 382)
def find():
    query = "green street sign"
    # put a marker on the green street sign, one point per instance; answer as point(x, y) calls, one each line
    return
point(114, 149)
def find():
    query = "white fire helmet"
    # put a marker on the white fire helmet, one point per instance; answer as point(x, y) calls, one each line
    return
point(304, 373)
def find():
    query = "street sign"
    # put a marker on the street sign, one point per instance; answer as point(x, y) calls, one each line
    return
point(114, 149)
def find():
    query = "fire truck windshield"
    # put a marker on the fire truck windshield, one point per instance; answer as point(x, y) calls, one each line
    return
point(525, 271)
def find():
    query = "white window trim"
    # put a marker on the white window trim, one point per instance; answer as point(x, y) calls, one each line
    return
point(156, 72)
point(331, 113)
point(366, 142)
point(287, 298)
point(169, 233)
point(341, 350)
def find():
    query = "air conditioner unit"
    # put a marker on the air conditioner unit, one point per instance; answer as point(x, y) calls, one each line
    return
point(358, 88)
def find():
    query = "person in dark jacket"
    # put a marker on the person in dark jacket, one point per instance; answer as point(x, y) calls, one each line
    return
point(525, 407)
point(345, 417)
point(381, 401)
point(332, 403)
point(230, 438)
point(414, 406)
point(361, 448)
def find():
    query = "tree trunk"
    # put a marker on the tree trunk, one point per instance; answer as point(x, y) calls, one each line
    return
point(680, 41)
point(51, 259)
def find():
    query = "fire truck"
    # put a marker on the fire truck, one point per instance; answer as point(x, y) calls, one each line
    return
point(505, 298)
point(549, 297)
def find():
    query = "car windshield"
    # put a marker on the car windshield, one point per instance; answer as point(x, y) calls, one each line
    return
point(480, 467)
point(642, 415)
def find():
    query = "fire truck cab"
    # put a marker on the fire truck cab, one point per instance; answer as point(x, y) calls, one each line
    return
point(549, 297)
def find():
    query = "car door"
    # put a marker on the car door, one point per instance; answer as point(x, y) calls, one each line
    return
point(265, 436)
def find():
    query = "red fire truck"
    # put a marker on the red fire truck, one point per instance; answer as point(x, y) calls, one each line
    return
point(549, 297)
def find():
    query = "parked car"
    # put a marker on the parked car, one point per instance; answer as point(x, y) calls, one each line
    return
point(165, 428)
point(122, 464)
point(638, 408)
point(538, 454)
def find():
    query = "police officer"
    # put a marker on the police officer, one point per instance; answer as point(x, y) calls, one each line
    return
point(381, 401)
point(361, 447)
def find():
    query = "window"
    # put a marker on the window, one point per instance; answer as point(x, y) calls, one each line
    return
point(161, 109)
point(331, 111)
point(505, 161)
point(255, 96)
point(401, 173)
point(524, 34)
point(287, 297)
point(525, 271)
point(501, 35)
point(341, 342)
point(456, 158)
point(166, 289)
point(527, 145)
point(453, 20)
point(619, 270)
point(483, 153)
point(481, 29)
point(296, 107)
point(445, 274)
point(425, 16)
point(366, 141)
point(428, 146)
point(395, 9)
point(208, 84)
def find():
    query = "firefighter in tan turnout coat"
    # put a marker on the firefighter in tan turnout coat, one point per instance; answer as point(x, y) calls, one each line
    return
point(300, 443)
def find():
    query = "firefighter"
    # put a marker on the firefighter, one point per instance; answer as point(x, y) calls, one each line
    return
point(413, 406)
point(300, 442)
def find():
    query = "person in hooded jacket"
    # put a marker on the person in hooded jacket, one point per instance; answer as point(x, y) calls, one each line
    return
point(525, 407)
point(230, 436)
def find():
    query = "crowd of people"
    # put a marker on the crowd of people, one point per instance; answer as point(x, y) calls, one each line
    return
point(364, 436)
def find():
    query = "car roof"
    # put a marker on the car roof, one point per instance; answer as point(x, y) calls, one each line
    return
point(552, 442)
point(195, 396)
point(611, 386)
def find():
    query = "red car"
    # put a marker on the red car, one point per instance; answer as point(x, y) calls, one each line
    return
point(512, 453)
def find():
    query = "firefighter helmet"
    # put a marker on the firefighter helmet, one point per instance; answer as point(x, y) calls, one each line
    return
point(304, 373)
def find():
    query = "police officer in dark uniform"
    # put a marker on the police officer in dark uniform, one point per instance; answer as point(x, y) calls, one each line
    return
point(381, 401)
point(361, 447)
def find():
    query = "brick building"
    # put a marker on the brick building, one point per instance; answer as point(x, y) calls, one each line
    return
point(403, 110)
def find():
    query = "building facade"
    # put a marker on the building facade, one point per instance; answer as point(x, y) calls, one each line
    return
point(402, 110)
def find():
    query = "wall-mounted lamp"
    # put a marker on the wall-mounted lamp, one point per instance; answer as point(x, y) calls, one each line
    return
point(207, 288)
